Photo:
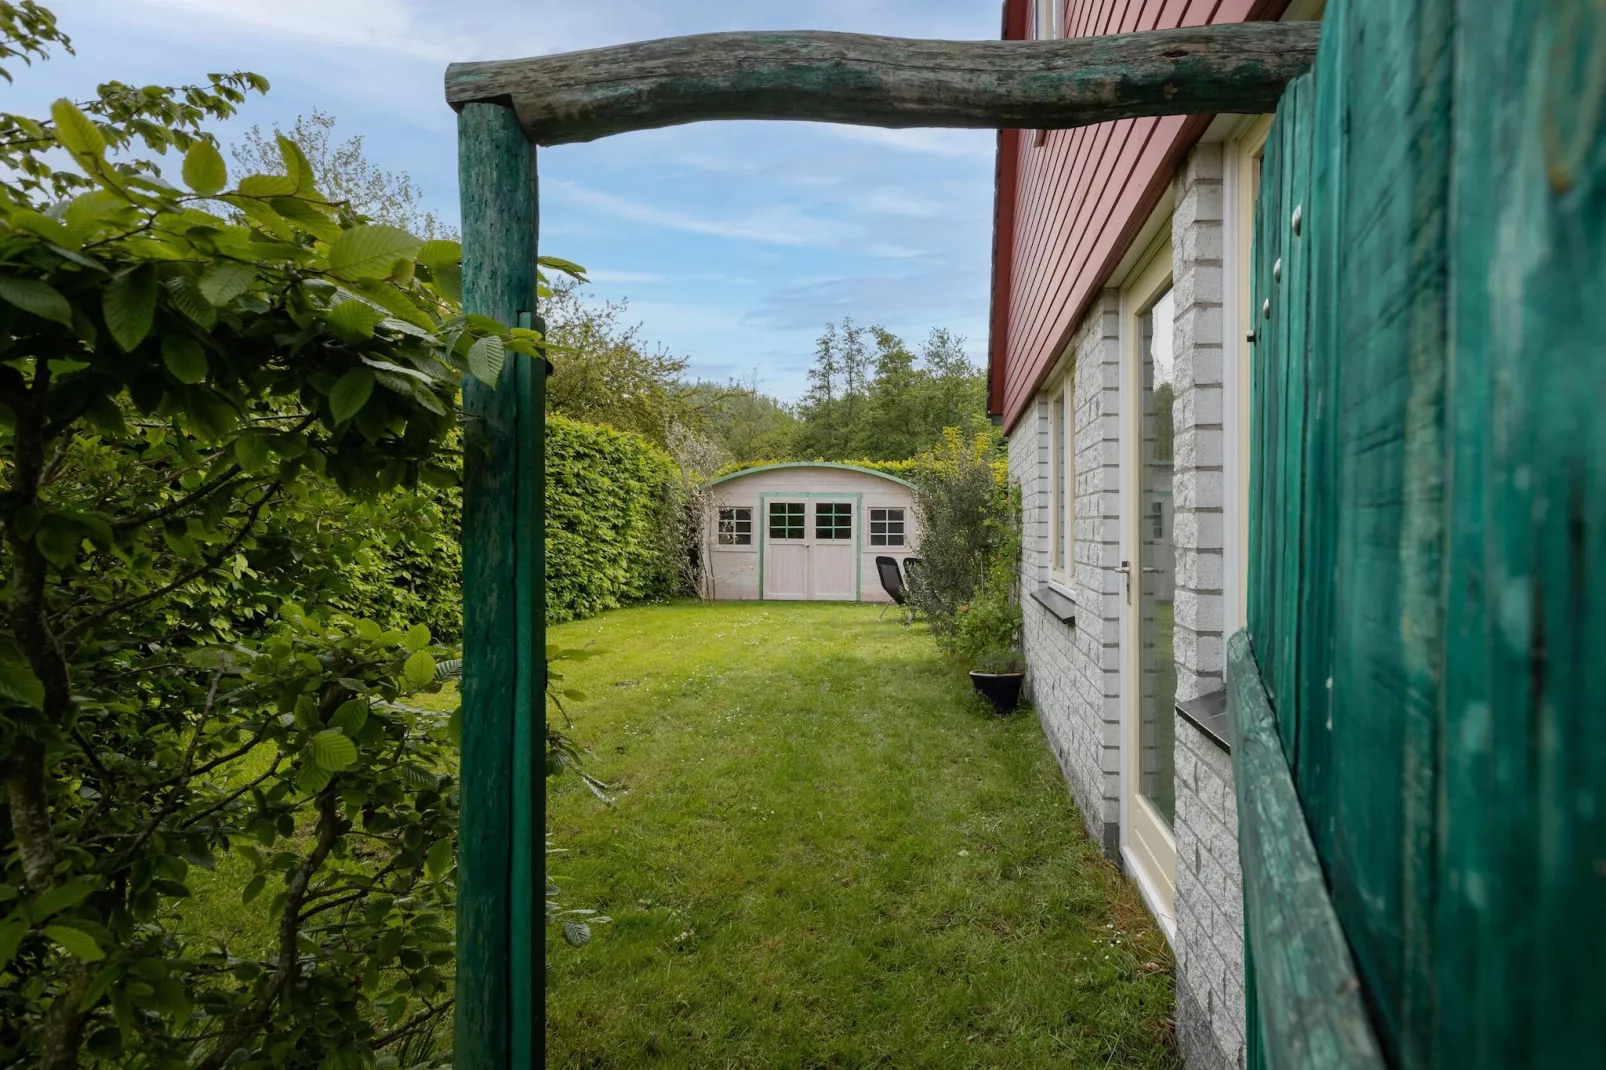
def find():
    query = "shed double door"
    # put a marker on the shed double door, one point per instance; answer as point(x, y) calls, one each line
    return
point(810, 549)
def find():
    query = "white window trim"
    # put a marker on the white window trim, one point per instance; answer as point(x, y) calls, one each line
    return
point(751, 546)
point(1237, 322)
point(1142, 288)
point(869, 527)
point(1062, 513)
point(1048, 18)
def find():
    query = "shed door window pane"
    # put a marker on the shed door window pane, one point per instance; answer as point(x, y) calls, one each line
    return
point(736, 527)
point(886, 527)
point(833, 520)
point(786, 520)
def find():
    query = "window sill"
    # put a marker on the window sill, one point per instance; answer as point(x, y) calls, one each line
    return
point(1056, 603)
point(1208, 713)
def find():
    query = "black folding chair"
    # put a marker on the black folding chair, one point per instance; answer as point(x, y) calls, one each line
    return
point(892, 583)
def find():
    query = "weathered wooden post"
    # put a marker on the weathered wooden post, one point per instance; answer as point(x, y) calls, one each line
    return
point(499, 933)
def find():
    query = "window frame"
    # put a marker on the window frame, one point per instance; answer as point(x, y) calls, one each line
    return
point(835, 511)
point(1062, 482)
point(902, 522)
point(1243, 157)
point(719, 527)
point(802, 516)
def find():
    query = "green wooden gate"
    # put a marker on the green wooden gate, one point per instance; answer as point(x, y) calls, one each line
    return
point(1418, 697)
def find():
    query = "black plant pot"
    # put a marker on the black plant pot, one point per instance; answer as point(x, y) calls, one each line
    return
point(1002, 689)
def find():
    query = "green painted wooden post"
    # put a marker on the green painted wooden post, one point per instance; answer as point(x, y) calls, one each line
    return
point(499, 933)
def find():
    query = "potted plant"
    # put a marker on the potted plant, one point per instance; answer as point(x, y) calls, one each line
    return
point(987, 636)
point(997, 677)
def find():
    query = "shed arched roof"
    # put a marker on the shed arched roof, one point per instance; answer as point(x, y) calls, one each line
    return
point(808, 464)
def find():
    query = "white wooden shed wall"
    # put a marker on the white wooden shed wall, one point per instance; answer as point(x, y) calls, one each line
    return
point(837, 568)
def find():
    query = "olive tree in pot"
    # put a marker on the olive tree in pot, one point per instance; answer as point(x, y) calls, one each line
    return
point(987, 631)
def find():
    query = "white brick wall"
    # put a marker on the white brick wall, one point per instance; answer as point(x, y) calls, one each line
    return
point(1209, 940)
point(1210, 923)
point(1196, 237)
point(1073, 672)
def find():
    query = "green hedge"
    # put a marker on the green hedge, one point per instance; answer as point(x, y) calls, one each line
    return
point(901, 469)
point(606, 502)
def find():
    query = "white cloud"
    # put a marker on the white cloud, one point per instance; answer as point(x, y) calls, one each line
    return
point(778, 226)
point(395, 26)
point(623, 276)
point(958, 143)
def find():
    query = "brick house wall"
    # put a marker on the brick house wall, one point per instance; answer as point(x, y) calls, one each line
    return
point(1073, 670)
point(1209, 901)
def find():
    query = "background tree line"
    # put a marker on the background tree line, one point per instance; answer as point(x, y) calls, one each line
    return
point(870, 396)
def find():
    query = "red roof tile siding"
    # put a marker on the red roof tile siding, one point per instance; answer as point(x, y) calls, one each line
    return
point(1067, 210)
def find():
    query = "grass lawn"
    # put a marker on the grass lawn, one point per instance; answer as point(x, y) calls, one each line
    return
point(825, 854)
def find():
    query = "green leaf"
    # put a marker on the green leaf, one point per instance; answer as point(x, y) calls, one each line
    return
point(296, 166)
point(75, 131)
point(184, 357)
point(253, 887)
point(350, 394)
point(307, 217)
point(204, 169)
point(186, 297)
point(332, 750)
point(226, 280)
point(251, 451)
point(350, 717)
point(440, 253)
point(101, 984)
point(370, 251)
point(576, 932)
point(75, 942)
point(311, 780)
point(355, 319)
point(12, 931)
point(39, 298)
point(417, 638)
point(130, 307)
point(439, 858)
point(485, 359)
point(267, 186)
point(419, 669)
point(55, 900)
point(18, 683)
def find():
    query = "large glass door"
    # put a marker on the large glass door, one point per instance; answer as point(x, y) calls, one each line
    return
point(1149, 565)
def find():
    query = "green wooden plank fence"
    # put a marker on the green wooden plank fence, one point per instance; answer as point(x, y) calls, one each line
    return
point(1427, 532)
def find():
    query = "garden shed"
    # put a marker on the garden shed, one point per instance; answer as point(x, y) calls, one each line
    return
point(806, 531)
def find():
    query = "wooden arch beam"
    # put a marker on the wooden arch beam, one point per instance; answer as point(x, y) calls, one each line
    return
point(891, 81)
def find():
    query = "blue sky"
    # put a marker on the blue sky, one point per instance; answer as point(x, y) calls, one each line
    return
point(734, 242)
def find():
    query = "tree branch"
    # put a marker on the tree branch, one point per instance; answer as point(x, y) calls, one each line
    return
point(289, 931)
point(892, 82)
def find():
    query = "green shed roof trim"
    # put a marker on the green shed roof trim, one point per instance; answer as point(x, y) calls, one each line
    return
point(809, 464)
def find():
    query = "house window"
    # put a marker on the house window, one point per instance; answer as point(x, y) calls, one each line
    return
point(886, 527)
point(1062, 481)
point(833, 520)
point(786, 520)
point(736, 527)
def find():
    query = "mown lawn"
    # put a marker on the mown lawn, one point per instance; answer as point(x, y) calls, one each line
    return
point(825, 854)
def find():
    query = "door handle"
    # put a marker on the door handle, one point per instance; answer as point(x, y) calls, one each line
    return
point(1126, 570)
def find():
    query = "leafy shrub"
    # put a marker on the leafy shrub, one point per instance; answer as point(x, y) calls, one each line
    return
point(607, 501)
point(962, 511)
point(217, 400)
point(986, 631)
point(901, 469)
